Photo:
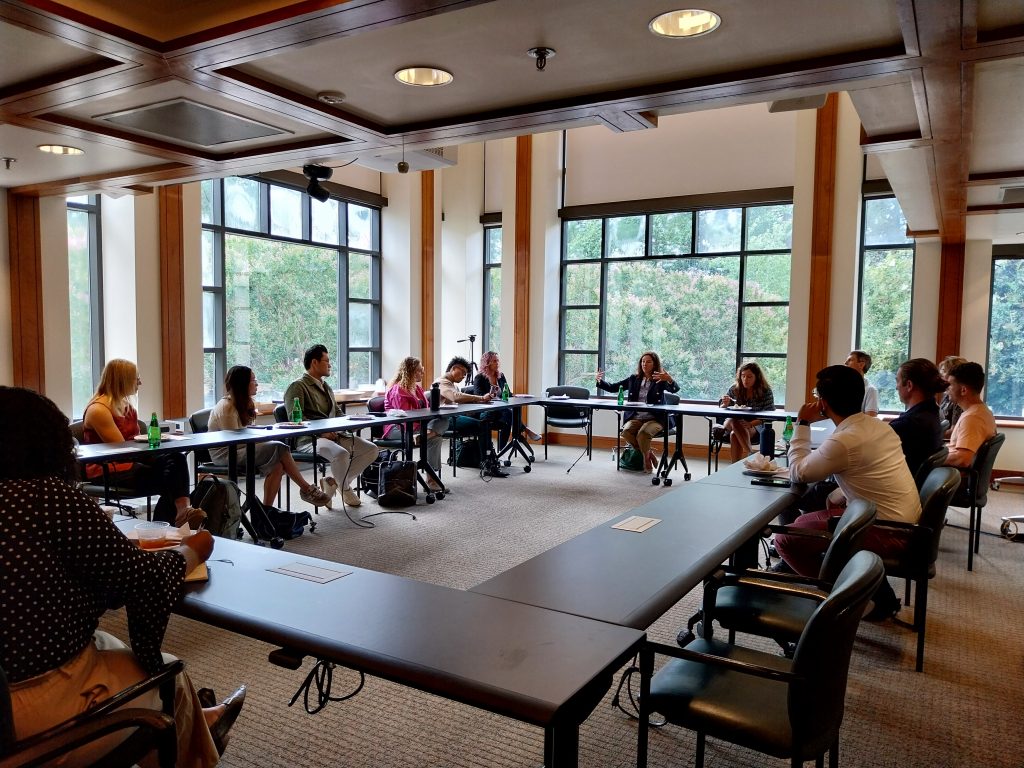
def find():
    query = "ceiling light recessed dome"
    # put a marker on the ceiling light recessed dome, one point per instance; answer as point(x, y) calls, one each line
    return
point(424, 76)
point(687, 23)
point(60, 149)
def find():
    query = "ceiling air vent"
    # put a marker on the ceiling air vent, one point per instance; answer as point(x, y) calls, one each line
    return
point(187, 121)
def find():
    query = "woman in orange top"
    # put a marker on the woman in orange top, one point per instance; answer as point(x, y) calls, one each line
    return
point(110, 417)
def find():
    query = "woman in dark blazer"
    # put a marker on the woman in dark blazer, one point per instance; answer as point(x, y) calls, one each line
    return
point(648, 385)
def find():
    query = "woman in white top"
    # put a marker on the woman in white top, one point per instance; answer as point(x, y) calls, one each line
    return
point(236, 410)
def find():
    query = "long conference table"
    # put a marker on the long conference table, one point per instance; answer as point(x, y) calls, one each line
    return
point(539, 643)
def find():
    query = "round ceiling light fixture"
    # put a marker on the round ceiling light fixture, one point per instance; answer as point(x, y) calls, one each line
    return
point(333, 98)
point(691, 22)
point(60, 149)
point(424, 76)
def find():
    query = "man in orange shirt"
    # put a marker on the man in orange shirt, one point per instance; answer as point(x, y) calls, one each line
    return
point(976, 424)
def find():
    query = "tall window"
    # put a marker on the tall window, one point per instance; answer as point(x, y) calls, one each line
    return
point(492, 288)
point(85, 298)
point(282, 272)
point(1004, 385)
point(886, 287)
point(706, 289)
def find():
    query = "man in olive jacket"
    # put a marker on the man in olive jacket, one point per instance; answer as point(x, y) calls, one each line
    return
point(347, 453)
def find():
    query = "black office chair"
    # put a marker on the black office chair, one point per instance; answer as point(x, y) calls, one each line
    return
point(305, 455)
point(569, 416)
point(934, 461)
point(148, 729)
point(779, 605)
point(917, 563)
point(203, 463)
point(973, 493)
point(787, 709)
point(108, 492)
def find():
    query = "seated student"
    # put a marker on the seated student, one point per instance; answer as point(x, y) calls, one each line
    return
point(273, 458)
point(860, 361)
point(110, 417)
point(866, 459)
point(492, 381)
point(458, 369)
point(948, 410)
point(64, 564)
point(648, 385)
point(917, 383)
point(751, 389)
point(347, 453)
point(976, 423)
point(406, 393)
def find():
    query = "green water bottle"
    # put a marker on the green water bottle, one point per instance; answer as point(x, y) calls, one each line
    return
point(505, 393)
point(297, 411)
point(153, 433)
point(622, 395)
point(787, 432)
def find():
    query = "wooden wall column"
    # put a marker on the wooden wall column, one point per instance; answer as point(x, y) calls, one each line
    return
point(521, 313)
point(26, 292)
point(825, 141)
point(951, 300)
point(172, 298)
point(427, 273)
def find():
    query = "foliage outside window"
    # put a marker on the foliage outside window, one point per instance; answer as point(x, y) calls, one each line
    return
point(1004, 386)
point(282, 272)
point(706, 289)
point(85, 299)
point(492, 288)
point(886, 288)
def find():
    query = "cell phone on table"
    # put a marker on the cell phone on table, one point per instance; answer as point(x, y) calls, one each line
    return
point(775, 482)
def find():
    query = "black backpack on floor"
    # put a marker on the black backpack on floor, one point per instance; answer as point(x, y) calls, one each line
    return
point(274, 522)
point(396, 482)
point(467, 454)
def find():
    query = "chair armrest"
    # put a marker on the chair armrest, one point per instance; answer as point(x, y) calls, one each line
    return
point(721, 661)
point(812, 589)
point(788, 530)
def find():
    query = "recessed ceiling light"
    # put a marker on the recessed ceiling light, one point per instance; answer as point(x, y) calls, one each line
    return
point(425, 76)
point(60, 149)
point(331, 97)
point(688, 23)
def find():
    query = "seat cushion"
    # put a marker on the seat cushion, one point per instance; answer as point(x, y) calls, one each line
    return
point(763, 612)
point(738, 708)
point(573, 423)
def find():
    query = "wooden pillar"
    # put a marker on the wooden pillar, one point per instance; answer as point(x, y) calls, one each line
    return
point(951, 299)
point(826, 137)
point(521, 313)
point(26, 292)
point(172, 298)
point(427, 273)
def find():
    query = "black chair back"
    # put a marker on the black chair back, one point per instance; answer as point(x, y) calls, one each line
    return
point(937, 459)
point(280, 413)
point(847, 539)
point(980, 474)
point(567, 412)
point(936, 493)
point(199, 422)
point(822, 657)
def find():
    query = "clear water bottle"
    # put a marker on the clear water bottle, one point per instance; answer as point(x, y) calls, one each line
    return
point(153, 432)
point(297, 411)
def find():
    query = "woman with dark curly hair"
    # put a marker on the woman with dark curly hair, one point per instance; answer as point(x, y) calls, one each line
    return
point(750, 390)
point(64, 564)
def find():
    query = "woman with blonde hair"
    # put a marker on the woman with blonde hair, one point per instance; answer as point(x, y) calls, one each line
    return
point(110, 417)
point(750, 390)
point(492, 380)
point(406, 393)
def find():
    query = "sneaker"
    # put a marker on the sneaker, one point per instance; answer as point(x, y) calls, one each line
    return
point(350, 497)
point(329, 486)
point(882, 608)
point(313, 495)
point(781, 567)
point(531, 435)
point(495, 471)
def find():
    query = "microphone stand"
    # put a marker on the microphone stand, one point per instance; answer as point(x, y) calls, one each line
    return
point(472, 358)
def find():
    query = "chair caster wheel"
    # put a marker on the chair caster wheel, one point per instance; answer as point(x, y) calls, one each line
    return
point(508, 462)
point(668, 481)
point(1008, 529)
point(430, 498)
point(277, 542)
point(527, 468)
point(655, 481)
point(312, 526)
point(439, 495)
point(686, 477)
point(239, 534)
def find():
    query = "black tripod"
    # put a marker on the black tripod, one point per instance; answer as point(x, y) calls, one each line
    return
point(471, 338)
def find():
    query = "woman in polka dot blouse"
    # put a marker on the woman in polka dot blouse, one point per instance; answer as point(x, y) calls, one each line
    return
point(62, 564)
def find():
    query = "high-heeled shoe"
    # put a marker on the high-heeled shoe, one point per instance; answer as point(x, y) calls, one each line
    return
point(232, 706)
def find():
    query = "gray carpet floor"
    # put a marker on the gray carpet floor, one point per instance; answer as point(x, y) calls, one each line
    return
point(964, 710)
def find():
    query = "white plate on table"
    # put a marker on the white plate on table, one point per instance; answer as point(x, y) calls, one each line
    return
point(738, 408)
point(291, 425)
point(448, 405)
point(559, 397)
point(634, 403)
point(764, 472)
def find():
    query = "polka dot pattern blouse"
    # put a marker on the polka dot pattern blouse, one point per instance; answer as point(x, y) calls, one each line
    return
point(62, 564)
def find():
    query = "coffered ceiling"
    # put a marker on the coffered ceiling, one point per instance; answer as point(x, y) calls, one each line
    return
point(163, 91)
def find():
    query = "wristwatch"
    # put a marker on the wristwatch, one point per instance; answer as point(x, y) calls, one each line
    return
point(803, 423)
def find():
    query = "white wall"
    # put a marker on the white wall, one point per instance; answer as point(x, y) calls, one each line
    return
point(924, 320)
point(696, 153)
point(6, 331)
point(800, 266)
point(193, 299)
point(53, 244)
point(400, 285)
